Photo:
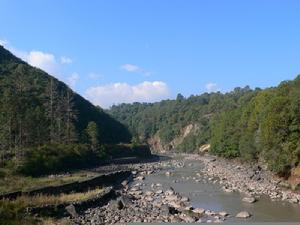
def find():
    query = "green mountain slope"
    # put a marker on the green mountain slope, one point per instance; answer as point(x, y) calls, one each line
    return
point(36, 109)
point(182, 124)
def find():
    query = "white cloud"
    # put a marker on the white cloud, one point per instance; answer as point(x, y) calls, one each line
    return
point(65, 60)
point(3, 42)
point(42, 60)
point(117, 93)
point(135, 69)
point(130, 68)
point(212, 87)
point(73, 79)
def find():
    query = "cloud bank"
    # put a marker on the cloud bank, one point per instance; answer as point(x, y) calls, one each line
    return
point(116, 93)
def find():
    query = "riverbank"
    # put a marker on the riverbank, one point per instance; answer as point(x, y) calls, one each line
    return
point(193, 188)
point(140, 201)
point(250, 180)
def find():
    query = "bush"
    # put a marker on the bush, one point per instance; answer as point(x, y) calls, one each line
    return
point(2, 173)
point(12, 213)
point(56, 158)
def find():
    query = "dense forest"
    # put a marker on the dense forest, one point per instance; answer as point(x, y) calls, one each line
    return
point(250, 124)
point(43, 121)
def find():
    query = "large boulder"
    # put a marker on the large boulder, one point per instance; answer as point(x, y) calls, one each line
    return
point(71, 210)
point(249, 199)
point(125, 201)
point(223, 213)
point(243, 215)
point(199, 211)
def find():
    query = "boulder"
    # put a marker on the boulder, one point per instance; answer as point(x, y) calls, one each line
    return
point(294, 200)
point(249, 199)
point(223, 213)
point(150, 172)
point(149, 199)
point(187, 218)
point(125, 200)
point(168, 173)
point(199, 211)
point(159, 191)
point(176, 205)
point(149, 193)
point(227, 189)
point(170, 192)
point(140, 178)
point(172, 210)
point(71, 210)
point(124, 183)
point(171, 197)
point(243, 214)
point(184, 199)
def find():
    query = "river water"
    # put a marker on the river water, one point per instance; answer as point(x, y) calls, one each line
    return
point(208, 195)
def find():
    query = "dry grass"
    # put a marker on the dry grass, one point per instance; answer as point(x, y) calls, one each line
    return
point(11, 183)
point(13, 212)
point(40, 200)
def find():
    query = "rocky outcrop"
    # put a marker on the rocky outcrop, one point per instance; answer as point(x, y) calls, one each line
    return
point(157, 145)
point(204, 148)
point(294, 179)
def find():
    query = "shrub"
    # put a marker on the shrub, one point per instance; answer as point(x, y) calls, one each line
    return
point(12, 213)
point(56, 158)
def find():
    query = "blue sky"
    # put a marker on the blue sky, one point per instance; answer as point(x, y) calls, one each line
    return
point(136, 50)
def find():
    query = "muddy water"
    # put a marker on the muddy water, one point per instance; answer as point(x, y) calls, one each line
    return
point(208, 195)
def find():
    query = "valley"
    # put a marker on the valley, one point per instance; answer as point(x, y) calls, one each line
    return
point(186, 189)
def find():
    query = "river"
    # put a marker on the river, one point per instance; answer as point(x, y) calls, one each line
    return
point(209, 195)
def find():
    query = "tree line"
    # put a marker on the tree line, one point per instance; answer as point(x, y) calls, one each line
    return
point(250, 124)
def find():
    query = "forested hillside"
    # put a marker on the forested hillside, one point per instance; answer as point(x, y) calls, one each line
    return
point(170, 119)
point(38, 110)
point(251, 124)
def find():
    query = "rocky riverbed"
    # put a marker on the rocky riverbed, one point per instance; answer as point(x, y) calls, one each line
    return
point(251, 180)
point(152, 196)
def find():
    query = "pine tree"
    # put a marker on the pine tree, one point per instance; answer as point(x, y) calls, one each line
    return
point(93, 135)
